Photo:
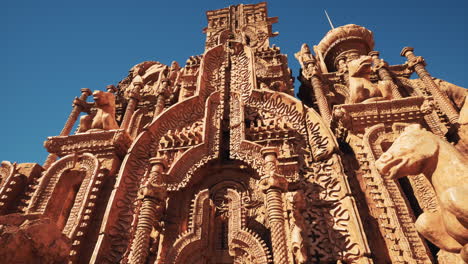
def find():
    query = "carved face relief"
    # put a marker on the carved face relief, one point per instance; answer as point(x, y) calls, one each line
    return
point(409, 153)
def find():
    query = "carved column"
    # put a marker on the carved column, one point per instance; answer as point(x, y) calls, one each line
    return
point(133, 101)
point(77, 108)
point(320, 97)
point(161, 98)
point(153, 195)
point(273, 185)
point(419, 66)
point(384, 73)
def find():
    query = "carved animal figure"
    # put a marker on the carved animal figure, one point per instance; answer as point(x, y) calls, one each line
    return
point(418, 151)
point(361, 89)
point(105, 115)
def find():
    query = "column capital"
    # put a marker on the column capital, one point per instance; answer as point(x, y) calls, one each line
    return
point(161, 161)
point(86, 91)
point(111, 88)
point(406, 51)
point(267, 151)
point(374, 53)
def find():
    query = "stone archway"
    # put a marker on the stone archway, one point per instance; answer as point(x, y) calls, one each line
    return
point(214, 210)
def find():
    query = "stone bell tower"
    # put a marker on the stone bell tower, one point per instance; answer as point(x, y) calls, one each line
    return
point(217, 161)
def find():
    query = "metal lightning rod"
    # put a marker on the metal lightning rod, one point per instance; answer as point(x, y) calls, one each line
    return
point(329, 20)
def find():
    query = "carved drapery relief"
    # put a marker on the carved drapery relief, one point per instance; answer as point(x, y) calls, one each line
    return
point(306, 121)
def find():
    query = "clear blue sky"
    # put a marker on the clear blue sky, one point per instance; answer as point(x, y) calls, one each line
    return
point(51, 49)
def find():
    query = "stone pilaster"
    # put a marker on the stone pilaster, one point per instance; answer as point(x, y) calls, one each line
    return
point(273, 185)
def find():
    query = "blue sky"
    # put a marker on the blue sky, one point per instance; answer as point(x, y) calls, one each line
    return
point(51, 49)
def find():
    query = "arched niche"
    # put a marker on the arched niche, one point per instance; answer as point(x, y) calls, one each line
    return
point(63, 190)
point(217, 231)
point(378, 140)
point(411, 196)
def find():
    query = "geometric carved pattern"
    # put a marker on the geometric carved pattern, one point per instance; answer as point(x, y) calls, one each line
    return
point(244, 245)
point(272, 180)
point(397, 220)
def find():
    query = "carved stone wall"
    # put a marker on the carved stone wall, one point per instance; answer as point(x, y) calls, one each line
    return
point(216, 161)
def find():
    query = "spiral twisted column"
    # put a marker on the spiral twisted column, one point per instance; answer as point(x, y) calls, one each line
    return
point(153, 195)
point(273, 185)
point(419, 66)
point(384, 73)
point(133, 101)
point(317, 86)
point(77, 109)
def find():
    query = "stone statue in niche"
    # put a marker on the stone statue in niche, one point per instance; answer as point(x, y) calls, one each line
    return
point(418, 151)
point(361, 89)
point(104, 119)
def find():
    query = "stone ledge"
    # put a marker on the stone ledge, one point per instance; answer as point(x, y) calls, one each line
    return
point(104, 141)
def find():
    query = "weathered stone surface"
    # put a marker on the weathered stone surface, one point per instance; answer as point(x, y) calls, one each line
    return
point(215, 161)
point(32, 239)
point(419, 151)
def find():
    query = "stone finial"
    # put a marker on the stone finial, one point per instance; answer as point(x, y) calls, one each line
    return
point(111, 88)
point(86, 91)
point(374, 54)
point(405, 50)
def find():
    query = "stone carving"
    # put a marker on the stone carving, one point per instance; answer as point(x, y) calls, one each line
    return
point(243, 244)
point(29, 239)
point(305, 57)
point(297, 205)
point(361, 89)
point(216, 161)
point(419, 151)
point(105, 114)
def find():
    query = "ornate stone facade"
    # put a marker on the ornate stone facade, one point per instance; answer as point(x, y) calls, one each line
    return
point(218, 162)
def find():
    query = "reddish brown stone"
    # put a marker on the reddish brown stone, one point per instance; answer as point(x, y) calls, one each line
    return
point(215, 161)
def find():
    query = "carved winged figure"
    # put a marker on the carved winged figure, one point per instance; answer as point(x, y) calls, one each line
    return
point(418, 151)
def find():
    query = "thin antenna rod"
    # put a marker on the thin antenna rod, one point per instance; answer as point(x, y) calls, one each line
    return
point(329, 20)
